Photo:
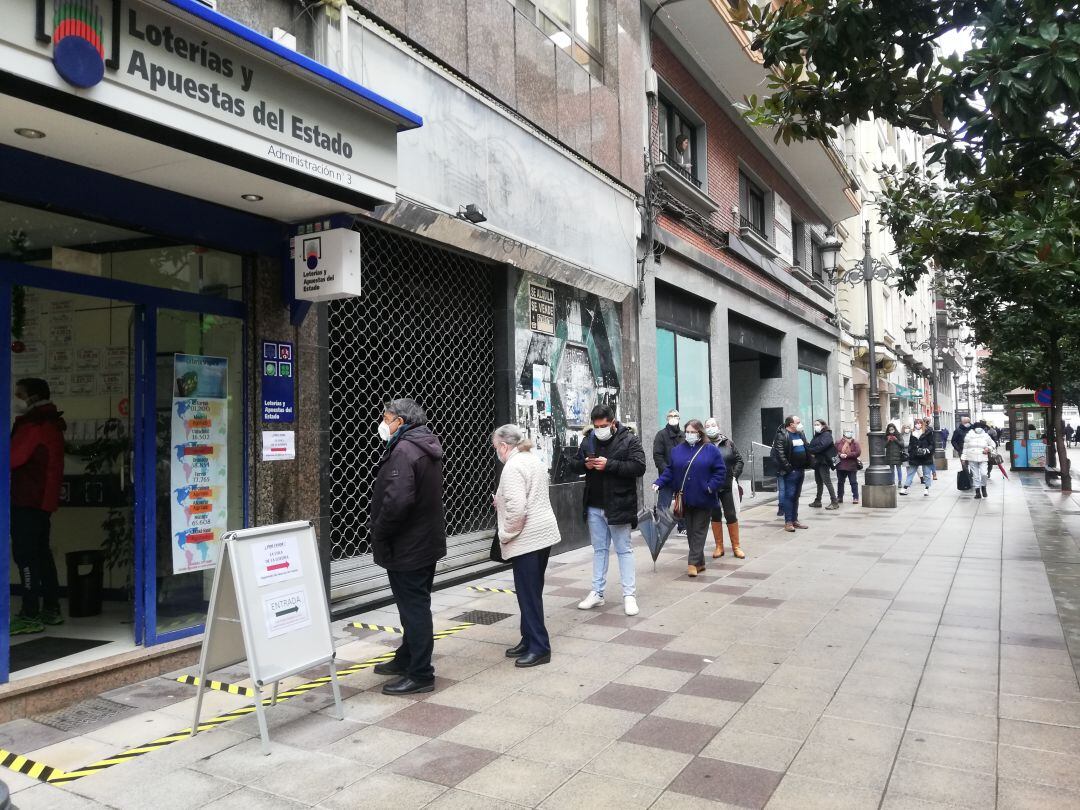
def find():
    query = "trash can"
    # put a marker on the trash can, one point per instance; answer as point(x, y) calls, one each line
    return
point(85, 582)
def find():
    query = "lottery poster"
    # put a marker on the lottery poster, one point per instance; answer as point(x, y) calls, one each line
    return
point(199, 460)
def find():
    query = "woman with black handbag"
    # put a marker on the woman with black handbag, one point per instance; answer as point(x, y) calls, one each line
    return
point(696, 474)
point(823, 449)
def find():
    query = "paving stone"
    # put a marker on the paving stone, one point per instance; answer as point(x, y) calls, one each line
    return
point(672, 735)
point(491, 731)
point(720, 781)
point(640, 638)
point(558, 746)
point(1028, 796)
point(644, 764)
point(693, 709)
point(728, 689)
point(46, 797)
point(24, 735)
point(944, 785)
point(375, 746)
point(950, 752)
point(444, 763)
point(685, 662)
point(1061, 739)
point(383, 791)
point(426, 719)
point(628, 698)
point(793, 725)
point(460, 800)
point(515, 780)
point(750, 748)
point(805, 793)
point(1043, 767)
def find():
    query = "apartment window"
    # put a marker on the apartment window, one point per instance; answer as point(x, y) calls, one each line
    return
point(752, 205)
point(678, 141)
point(573, 25)
point(816, 268)
point(798, 243)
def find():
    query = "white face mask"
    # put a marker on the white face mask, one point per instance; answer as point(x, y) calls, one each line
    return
point(817, 428)
point(673, 421)
point(966, 423)
point(978, 430)
point(712, 432)
point(692, 438)
point(848, 434)
point(602, 434)
point(19, 406)
point(384, 432)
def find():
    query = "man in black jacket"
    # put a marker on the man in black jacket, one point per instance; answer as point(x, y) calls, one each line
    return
point(408, 537)
point(663, 443)
point(612, 459)
point(791, 453)
point(959, 435)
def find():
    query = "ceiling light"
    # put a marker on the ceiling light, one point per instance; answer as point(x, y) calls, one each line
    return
point(251, 197)
point(28, 132)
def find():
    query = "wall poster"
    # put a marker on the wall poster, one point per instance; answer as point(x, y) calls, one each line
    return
point(199, 462)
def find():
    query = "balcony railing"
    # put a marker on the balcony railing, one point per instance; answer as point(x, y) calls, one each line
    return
point(683, 171)
point(748, 225)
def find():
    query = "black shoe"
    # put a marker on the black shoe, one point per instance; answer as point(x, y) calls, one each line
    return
point(517, 650)
point(407, 686)
point(815, 504)
point(978, 494)
point(984, 493)
point(533, 660)
point(388, 668)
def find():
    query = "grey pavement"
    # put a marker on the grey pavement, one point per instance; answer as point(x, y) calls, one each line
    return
point(908, 658)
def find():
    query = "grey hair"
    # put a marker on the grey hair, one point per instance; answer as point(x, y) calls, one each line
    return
point(409, 411)
point(512, 435)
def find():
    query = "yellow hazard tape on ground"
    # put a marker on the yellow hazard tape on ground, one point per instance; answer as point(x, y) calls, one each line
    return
point(490, 590)
point(384, 627)
point(57, 777)
point(219, 686)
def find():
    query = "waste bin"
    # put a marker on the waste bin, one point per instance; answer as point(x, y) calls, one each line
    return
point(85, 582)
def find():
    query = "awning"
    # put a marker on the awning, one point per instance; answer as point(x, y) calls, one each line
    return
point(172, 94)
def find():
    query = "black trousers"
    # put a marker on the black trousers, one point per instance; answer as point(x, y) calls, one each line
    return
point(34, 558)
point(725, 510)
point(823, 478)
point(529, 571)
point(412, 593)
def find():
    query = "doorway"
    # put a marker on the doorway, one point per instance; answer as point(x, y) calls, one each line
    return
point(140, 345)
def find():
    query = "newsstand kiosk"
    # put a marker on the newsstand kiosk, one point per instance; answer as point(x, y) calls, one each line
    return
point(1028, 421)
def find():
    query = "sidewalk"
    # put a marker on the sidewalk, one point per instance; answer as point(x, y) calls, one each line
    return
point(908, 658)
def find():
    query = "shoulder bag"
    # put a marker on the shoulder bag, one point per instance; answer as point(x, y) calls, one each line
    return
point(678, 508)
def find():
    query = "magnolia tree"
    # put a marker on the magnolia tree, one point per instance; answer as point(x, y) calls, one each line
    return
point(996, 213)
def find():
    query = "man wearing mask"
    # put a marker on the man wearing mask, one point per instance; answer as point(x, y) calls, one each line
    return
point(791, 453)
point(408, 537)
point(612, 460)
point(37, 474)
point(663, 443)
point(958, 437)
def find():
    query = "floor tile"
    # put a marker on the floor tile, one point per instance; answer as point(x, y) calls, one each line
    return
point(558, 746)
point(441, 762)
point(692, 709)
point(805, 793)
point(685, 662)
point(668, 680)
point(382, 791)
point(520, 781)
point(950, 752)
point(22, 735)
point(750, 748)
point(426, 719)
point(730, 689)
point(944, 785)
point(599, 720)
point(594, 791)
point(640, 638)
point(375, 746)
point(628, 698)
point(1029, 796)
point(1061, 739)
point(631, 762)
point(491, 731)
point(1043, 767)
point(673, 735)
point(726, 782)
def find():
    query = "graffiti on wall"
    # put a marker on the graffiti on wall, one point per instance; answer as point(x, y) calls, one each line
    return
point(563, 375)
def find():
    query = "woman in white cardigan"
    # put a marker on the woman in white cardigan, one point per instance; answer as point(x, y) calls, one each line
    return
point(527, 531)
point(977, 449)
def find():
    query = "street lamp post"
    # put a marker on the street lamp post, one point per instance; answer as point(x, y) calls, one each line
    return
point(879, 489)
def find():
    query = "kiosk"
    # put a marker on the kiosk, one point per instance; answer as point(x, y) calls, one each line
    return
point(1027, 424)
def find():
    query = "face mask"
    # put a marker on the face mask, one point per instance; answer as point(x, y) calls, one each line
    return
point(19, 406)
point(673, 421)
point(712, 432)
point(817, 428)
point(602, 434)
point(384, 432)
point(907, 430)
point(966, 424)
point(692, 438)
point(798, 425)
point(848, 434)
point(978, 430)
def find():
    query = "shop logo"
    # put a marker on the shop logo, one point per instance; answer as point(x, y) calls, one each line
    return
point(78, 46)
point(312, 252)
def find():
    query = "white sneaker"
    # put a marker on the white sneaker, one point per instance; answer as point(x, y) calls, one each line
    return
point(592, 600)
point(903, 491)
point(630, 606)
point(926, 493)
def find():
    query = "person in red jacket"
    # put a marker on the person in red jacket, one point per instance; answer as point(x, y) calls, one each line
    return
point(37, 473)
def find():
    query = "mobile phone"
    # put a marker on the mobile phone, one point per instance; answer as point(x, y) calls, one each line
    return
point(590, 458)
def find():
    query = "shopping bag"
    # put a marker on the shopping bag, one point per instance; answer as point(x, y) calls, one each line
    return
point(963, 480)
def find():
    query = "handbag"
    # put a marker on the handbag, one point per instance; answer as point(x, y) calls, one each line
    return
point(496, 549)
point(996, 460)
point(834, 461)
point(678, 508)
point(858, 464)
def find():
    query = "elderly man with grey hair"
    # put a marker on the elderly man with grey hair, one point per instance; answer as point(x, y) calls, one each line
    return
point(408, 536)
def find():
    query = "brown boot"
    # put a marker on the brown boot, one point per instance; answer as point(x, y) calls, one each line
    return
point(691, 570)
point(733, 533)
point(718, 536)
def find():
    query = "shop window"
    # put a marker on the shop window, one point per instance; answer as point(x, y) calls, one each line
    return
point(573, 25)
point(679, 142)
point(813, 396)
point(682, 366)
point(752, 206)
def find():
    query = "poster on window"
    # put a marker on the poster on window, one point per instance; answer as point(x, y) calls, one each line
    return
point(198, 460)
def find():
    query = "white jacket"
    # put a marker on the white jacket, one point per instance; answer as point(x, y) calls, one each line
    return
point(975, 444)
point(523, 504)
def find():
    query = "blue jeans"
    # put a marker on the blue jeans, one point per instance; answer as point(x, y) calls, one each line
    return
point(602, 536)
point(793, 482)
point(850, 476)
point(898, 469)
point(780, 493)
point(927, 474)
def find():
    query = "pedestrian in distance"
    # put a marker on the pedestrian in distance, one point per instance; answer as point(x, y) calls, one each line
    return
point(665, 440)
point(920, 454)
point(905, 439)
point(612, 460)
point(408, 536)
point(696, 474)
point(37, 475)
point(726, 510)
point(527, 531)
point(895, 452)
point(1069, 431)
point(944, 432)
point(977, 449)
point(823, 451)
point(791, 452)
point(848, 449)
point(958, 437)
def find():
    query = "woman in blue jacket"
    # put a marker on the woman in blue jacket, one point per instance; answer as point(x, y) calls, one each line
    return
point(697, 471)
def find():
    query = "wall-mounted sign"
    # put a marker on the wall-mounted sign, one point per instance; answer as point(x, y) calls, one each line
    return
point(541, 309)
point(278, 389)
point(326, 264)
point(278, 445)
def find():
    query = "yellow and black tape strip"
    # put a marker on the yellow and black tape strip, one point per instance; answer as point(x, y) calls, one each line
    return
point(491, 590)
point(377, 627)
point(60, 777)
point(231, 688)
point(20, 764)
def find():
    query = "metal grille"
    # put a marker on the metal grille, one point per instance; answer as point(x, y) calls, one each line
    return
point(85, 716)
point(481, 617)
point(423, 328)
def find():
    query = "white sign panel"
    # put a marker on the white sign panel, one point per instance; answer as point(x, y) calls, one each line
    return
point(286, 611)
point(276, 560)
point(326, 264)
point(171, 68)
point(278, 445)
